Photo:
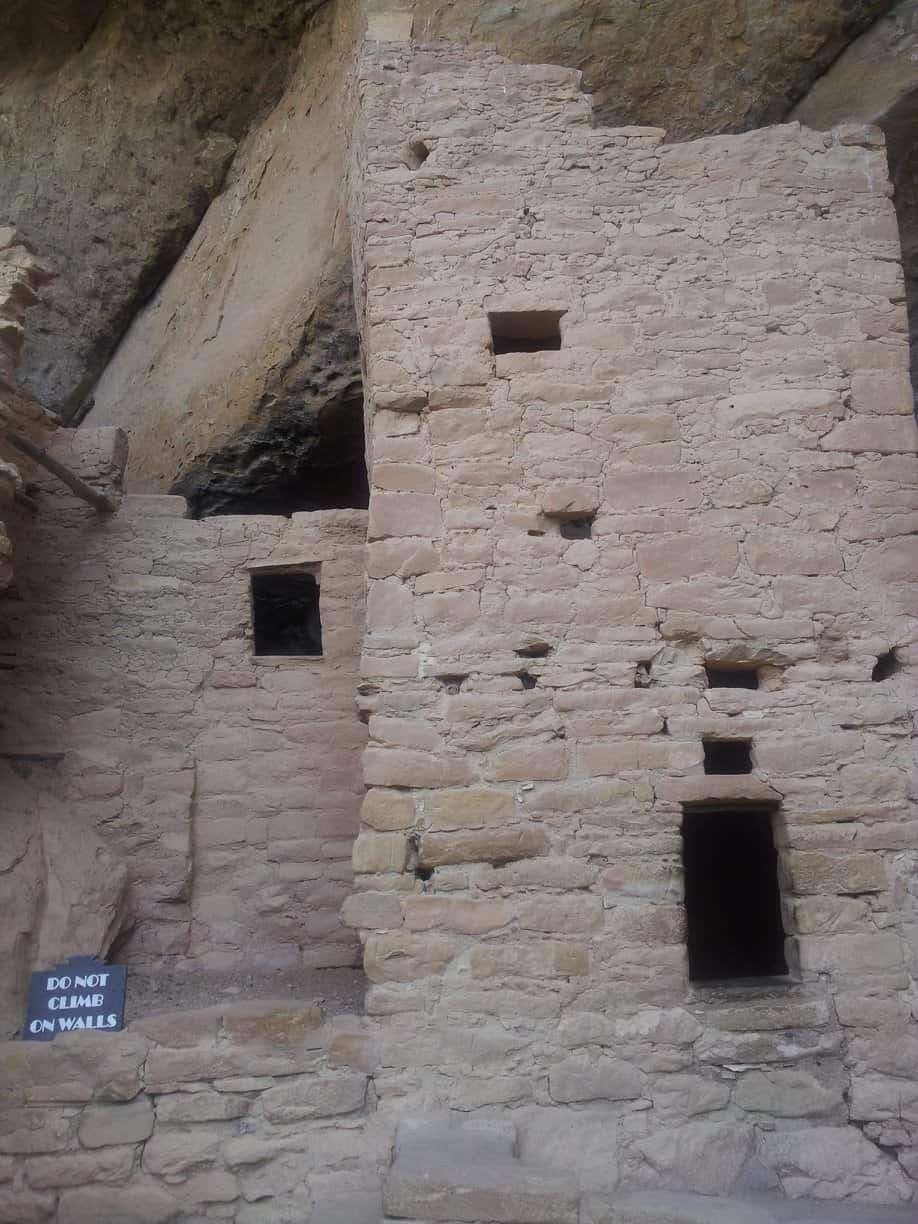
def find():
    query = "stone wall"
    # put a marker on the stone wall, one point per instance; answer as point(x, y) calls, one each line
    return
point(730, 405)
point(136, 713)
point(259, 1113)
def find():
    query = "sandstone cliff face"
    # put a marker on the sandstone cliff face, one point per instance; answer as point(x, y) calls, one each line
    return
point(118, 122)
point(250, 346)
point(132, 112)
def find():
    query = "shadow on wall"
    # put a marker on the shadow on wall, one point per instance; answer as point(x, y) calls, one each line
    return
point(304, 449)
point(901, 129)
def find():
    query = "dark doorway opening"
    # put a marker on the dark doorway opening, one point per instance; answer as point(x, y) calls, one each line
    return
point(721, 676)
point(724, 756)
point(525, 331)
point(732, 899)
point(285, 614)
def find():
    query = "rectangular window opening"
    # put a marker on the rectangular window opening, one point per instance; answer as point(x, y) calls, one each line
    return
point(525, 331)
point(721, 675)
point(576, 528)
point(727, 756)
point(732, 898)
point(285, 613)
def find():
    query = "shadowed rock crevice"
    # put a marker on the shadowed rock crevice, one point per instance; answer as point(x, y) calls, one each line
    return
point(304, 449)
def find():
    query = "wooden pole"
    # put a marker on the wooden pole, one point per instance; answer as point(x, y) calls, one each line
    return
point(64, 474)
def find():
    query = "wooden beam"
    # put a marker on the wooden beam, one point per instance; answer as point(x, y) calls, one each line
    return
point(73, 482)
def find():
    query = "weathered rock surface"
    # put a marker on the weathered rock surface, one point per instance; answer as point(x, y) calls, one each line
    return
point(240, 380)
point(120, 121)
point(693, 68)
point(62, 892)
point(21, 278)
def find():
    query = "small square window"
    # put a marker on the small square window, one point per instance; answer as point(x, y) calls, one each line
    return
point(732, 898)
point(720, 675)
point(525, 331)
point(285, 613)
point(727, 756)
point(576, 528)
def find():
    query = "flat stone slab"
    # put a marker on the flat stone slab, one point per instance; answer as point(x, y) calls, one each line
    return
point(464, 1175)
point(665, 1207)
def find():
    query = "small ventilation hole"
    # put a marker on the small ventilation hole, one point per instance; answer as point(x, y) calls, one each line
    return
point(418, 153)
point(527, 679)
point(721, 676)
point(452, 684)
point(642, 676)
point(726, 756)
point(525, 331)
point(576, 529)
point(414, 859)
point(885, 667)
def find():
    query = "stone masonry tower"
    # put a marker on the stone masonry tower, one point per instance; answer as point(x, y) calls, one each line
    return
point(640, 621)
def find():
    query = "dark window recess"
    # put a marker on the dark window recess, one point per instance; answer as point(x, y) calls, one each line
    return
point(642, 677)
point(418, 153)
point(725, 756)
point(576, 529)
point(732, 900)
point(886, 666)
point(525, 331)
point(452, 684)
point(731, 677)
point(285, 610)
point(527, 679)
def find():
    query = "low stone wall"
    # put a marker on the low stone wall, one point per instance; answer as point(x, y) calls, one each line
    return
point(225, 785)
point(271, 1113)
point(259, 1113)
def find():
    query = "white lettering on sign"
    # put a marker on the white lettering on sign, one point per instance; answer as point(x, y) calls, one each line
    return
point(91, 980)
point(67, 1023)
point(72, 1002)
point(84, 993)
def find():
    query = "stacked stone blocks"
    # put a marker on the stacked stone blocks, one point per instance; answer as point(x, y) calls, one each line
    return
point(226, 786)
point(731, 407)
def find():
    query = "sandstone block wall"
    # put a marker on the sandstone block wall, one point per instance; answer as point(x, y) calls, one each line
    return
point(258, 1113)
point(731, 405)
point(227, 786)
